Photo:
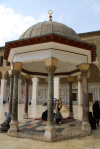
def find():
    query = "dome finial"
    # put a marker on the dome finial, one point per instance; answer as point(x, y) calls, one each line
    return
point(50, 12)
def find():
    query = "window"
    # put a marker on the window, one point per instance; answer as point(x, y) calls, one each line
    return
point(1, 61)
point(40, 93)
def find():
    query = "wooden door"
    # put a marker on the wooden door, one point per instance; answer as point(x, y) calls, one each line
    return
point(74, 96)
point(90, 97)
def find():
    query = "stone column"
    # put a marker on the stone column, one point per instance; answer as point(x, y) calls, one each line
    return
point(19, 90)
point(11, 91)
point(84, 67)
point(79, 90)
point(57, 88)
point(3, 86)
point(70, 81)
point(3, 90)
point(14, 118)
point(27, 79)
point(34, 91)
point(50, 130)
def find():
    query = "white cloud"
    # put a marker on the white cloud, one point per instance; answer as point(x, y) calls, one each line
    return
point(12, 24)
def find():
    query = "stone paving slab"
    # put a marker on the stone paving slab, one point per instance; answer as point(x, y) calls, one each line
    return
point(34, 129)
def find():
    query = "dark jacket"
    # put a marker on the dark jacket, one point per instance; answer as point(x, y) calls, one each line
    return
point(92, 121)
point(96, 111)
point(44, 115)
point(5, 125)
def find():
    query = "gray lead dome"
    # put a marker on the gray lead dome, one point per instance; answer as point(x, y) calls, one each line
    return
point(49, 27)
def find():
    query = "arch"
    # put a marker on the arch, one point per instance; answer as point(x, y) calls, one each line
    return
point(94, 65)
point(94, 74)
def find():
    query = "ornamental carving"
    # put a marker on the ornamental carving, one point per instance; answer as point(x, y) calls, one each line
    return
point(16, 72)
point(84, 67)
point(51, 69)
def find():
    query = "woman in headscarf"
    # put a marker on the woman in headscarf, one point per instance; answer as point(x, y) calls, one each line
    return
point(96, 112)
point(5, 125)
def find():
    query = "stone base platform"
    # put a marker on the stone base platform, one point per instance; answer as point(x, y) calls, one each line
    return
point(34, 129)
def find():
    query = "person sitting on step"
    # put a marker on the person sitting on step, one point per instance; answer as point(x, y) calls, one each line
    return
point(58, 116)
point(5, 125)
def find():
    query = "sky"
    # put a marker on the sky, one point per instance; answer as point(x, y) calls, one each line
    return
point(17, 16)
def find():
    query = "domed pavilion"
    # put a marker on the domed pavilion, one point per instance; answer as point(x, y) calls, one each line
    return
point(49, 49)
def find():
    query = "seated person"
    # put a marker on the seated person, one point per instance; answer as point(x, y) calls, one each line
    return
point(92, 121)
point(44, 115)
point(45, 104)
point(5, 125)
point(30, 103)
point(58, 116)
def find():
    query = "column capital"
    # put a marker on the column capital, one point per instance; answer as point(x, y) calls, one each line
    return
point(70, 79)
point(55, 77)
point(51, 64)
point(35, 79)
point(27, 79)
point(84, 67)
point(79, 78)
point(16, 72)
point(51, 69)
point(17, 66)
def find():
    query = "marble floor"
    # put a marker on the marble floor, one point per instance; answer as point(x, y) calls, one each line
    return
point(7, 142)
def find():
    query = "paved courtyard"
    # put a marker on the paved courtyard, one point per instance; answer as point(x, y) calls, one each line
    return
point(7, 142)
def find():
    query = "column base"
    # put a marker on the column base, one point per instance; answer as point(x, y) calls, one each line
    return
point(71, 114)
point(50, 131)
point(25, 116)
point(13, 126)
point(86, 128)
